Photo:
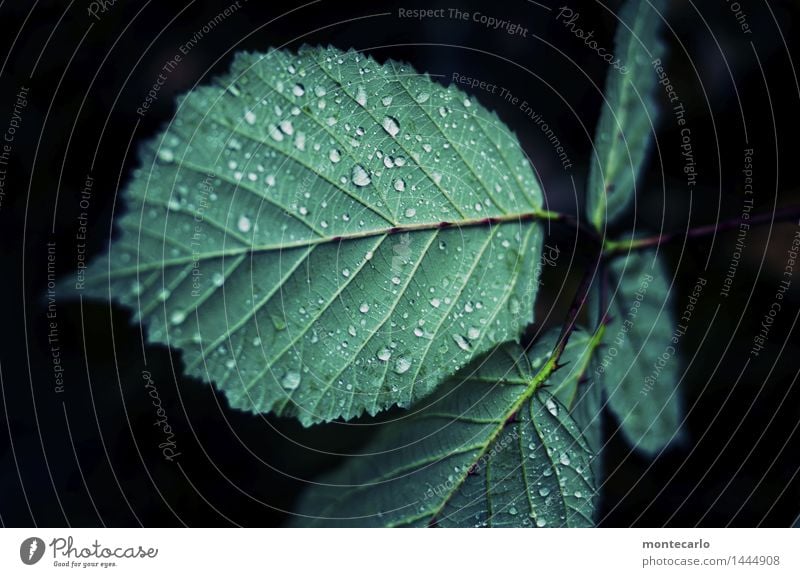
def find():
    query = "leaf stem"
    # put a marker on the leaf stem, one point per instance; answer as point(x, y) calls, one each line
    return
point(568, 327)
point(574, 222)
point(616, 247)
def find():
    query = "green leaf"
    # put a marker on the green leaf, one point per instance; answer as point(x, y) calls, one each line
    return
point(627, 120)
point(322, 235)
point(587, 412)
point(578, 390)
point(576, 387)
point(576, 357)
point(639, 365)
point(493, 449)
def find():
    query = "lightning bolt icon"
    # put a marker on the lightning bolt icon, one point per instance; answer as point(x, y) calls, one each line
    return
point(33, 548)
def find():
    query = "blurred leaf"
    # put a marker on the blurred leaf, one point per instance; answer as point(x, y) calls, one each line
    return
point(627, 119)
point(639, 365)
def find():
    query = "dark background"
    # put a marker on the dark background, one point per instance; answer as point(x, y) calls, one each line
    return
point(89, 456)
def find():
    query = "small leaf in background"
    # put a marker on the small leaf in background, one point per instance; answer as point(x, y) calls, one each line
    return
point(488, 451)
point(628, 115)
point(639, 364)
point(322, 235)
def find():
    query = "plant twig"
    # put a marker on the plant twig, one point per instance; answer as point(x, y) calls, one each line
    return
point(574, 222)
point(570, 322)
point(612, 248)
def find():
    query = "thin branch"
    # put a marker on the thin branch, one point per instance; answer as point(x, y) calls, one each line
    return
point(574, 222)
point(612, 248)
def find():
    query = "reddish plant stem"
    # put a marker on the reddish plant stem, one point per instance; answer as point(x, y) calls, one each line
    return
point(612, 248)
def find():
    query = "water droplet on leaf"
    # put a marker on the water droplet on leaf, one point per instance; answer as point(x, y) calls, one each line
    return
point(291, 380)
point(166, 155)
point(361, 96)
point(401, 365)
point(359, 176)
point(462, 343)
point(243, 224)
point(390, 125)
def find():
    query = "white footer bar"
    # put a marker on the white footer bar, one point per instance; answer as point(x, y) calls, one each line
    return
point(401, 553)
